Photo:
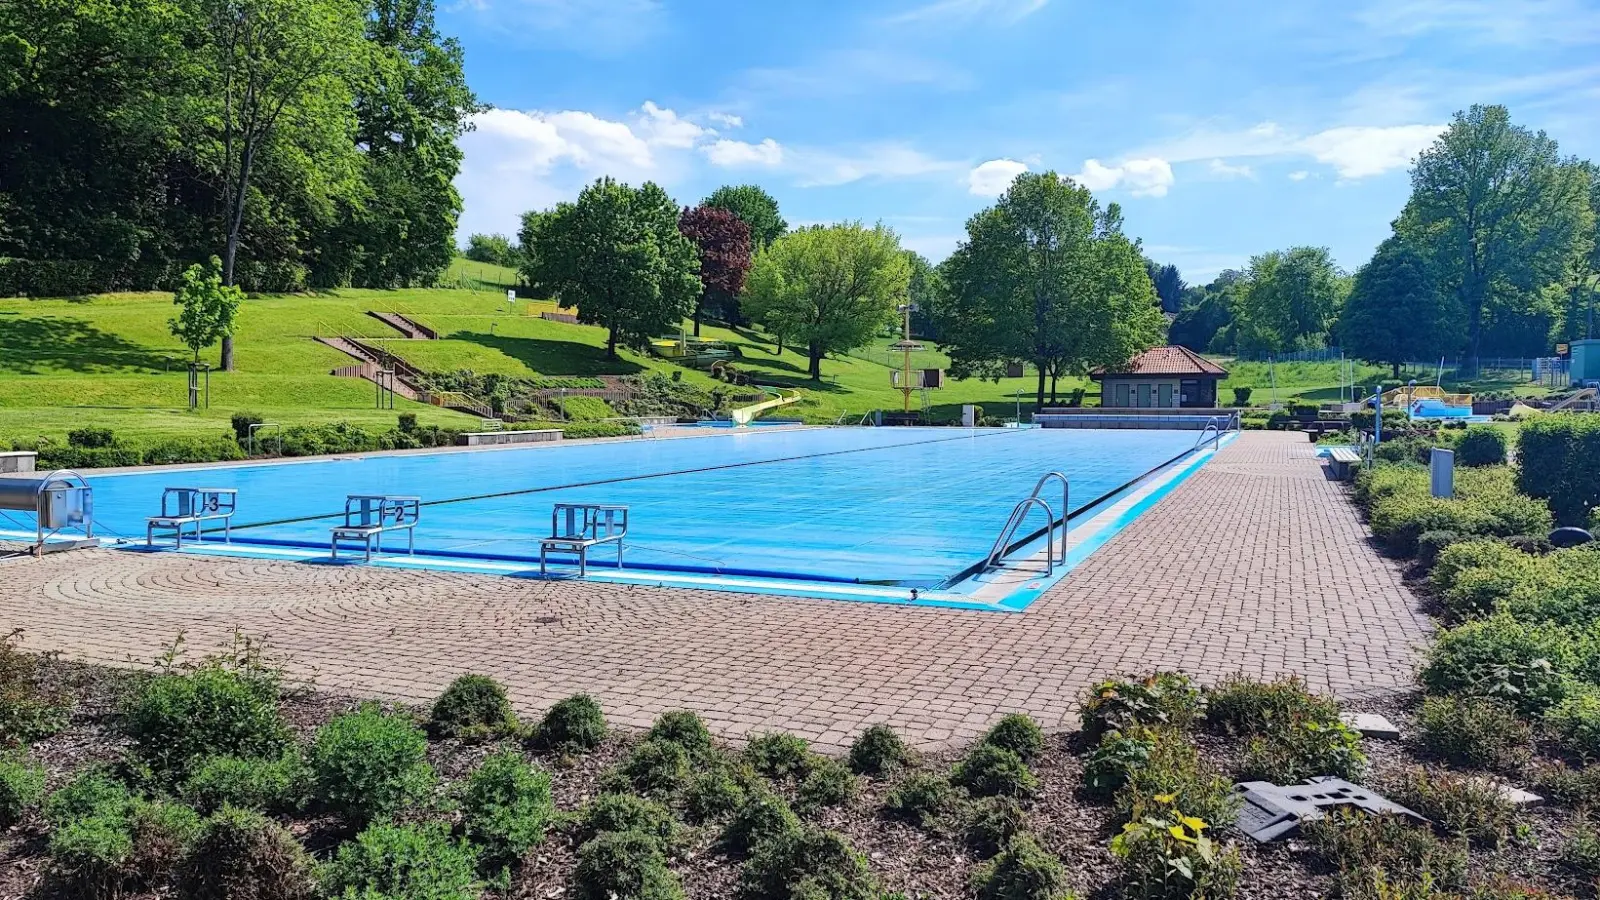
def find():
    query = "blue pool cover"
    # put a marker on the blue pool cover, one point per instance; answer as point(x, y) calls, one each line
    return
point(906, 506)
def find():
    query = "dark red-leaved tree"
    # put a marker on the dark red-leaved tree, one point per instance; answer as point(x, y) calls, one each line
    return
point(724, 242)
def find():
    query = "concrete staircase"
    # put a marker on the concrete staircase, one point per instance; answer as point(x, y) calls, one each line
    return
point(406, 325)
point(407, 378)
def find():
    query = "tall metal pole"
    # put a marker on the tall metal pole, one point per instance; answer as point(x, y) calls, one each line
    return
point(905, 358)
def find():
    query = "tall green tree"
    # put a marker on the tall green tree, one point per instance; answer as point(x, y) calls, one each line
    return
point(490, 248)
point(1290, 300)
point(1396, 311)
point(1499, 213)
point(1169, 283)
point(272, 65)
point(923, 288)
point(1046, 276)
point(828, 288)
point(1204, 321)
point(617, 256)
point(755, 206)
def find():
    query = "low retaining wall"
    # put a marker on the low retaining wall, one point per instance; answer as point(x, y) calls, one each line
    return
point(1170, 419)
point(18, 461)
point(491, 438)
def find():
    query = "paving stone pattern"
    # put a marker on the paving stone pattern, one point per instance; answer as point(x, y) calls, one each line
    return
point(1258, 563)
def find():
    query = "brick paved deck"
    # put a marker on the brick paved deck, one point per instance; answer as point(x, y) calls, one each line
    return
point(1257, 563)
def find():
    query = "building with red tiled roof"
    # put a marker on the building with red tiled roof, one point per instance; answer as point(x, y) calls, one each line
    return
point(1160, 378)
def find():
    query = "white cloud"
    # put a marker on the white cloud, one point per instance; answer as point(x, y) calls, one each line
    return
point(1147, 177)
point(1354, 151)
point(666, 128)
point(990, 179)
point(1004, 12)
point(1301, 175)
point(826, 168)
point(726, 120)
point(726, 152)
point(1223, 170)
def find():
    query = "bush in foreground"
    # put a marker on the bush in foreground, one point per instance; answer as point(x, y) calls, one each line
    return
point(991, 824)
point(266, 785)
point(1525, 665)
point(922, 798)
point(1475, 732)
point(1462, 805)
point(1165, 698)
point(625, 812)
point(1018, 733)
point(1240, 705)
point(473, 705)
point(1176, 776)
point(573, 725)
point(506, 808)
point(370, 764)
point(402, 861)
point(764, 817)
point(21, 787)
point(1022, 871)
point(989, 771)
point(806, 865)
point(242, 855)
point(715, 793)
point(683, 728)
point(878, 751)
point(1113, 762)
point(1167, 855)
point(778, 755)
point(1574, 724)
point(1366, 850)
point(828, 783)
point(179, 719)
point(653, 768)
point(624, 864)
point(1300, 750)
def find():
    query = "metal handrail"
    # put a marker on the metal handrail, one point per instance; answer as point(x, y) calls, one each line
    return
point(1066, 506)
point(1212, 429)
point(257, 425)
point(1019, 514)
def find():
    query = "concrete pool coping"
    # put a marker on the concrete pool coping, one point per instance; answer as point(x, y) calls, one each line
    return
point(1011, 587)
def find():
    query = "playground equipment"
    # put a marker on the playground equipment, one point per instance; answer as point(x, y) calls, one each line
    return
point(59, 500)
point(575, 527)
point(185, 506)
point(368, 517)
point(691, 351)
point(744, 415)
point(925, 379)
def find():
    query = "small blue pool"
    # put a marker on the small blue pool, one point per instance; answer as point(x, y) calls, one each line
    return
point(1436, 409)
point(887, 506)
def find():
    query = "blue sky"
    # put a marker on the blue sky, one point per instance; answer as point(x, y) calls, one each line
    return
point(1223, 128)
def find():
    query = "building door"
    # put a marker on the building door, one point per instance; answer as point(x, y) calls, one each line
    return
point(1122, 394)
point(1166, 396)
point(1144, 395)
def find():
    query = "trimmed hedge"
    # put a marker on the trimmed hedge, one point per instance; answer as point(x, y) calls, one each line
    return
point(1557, 455)
point(1483, 445)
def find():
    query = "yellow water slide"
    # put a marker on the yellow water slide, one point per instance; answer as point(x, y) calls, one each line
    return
point(744, 415)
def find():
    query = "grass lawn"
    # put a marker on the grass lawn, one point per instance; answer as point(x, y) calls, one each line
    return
point(1318, 382)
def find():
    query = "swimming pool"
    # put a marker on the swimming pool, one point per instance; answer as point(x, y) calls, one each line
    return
point(889, 506)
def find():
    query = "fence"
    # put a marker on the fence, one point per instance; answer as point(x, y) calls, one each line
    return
point(1552, 372)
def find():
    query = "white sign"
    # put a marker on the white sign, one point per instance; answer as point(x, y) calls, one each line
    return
point(511, 296)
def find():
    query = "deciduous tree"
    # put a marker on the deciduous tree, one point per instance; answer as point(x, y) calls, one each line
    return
point(828, 288)
point(755, 206)
point(1396, 311)
point(207, 307)
point(490, 248)
point(1290, 300)
point(616, 255)
point(723, 242)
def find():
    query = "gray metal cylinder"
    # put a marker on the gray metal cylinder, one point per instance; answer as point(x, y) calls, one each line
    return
point(23, 493)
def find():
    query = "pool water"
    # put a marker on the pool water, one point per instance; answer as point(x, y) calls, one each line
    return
point(901, 506)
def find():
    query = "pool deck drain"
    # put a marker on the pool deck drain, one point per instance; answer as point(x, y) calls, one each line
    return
point(1256, 563)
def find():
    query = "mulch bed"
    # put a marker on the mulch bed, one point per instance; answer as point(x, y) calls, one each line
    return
point(907, 859)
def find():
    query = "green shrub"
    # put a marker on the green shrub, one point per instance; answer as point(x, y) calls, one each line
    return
point(162, 834)
point(1240, 705)
point(573, 431)
point(1176, 770)
point(624, 865)
point(1432, 543)
point(90, 857)
point(1474, 579)
point(922, 798)
point(420, 861)
point(878, 751)
point(90, 438)
point(242, 855)
point(1401, 520)
point(1557, 454)
point(1241, 396)
point(778, 755)
point(1165, 698)
point(1118, 755)
point(1463, 805)
point(807, 864)
point(991, 823)
point(1482, 445)
point(92, 793)
point(26, 713)
point(989, 771)
point(1022, 871)
point(369, 764)
point(625, 812)
point(1367, 850)
point(764, 817)
point(472, 705)
point(828, 783)
point(653, 768)
point(683, 728)
point(179, 719)
point(1524, 665)
point(506, 808)
point(1574, 723)
point(1475, 732)
point(1575, 787)
point(1477, 553)
point(573, 725)
point(266, 785)
point(1167, 855)
point(1375, 483)
point(1018, 733)
point(1581, 853)
point(21, 787)
point(580, 408)
point(1305, 749)
point(714, 793)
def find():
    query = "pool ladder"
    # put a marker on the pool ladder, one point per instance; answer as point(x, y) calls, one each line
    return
point(1019, 514)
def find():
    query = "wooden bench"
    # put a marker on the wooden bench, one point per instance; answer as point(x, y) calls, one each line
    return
point(368, 517)
point(185, 506)
point(575, 527)
point(1344, 461)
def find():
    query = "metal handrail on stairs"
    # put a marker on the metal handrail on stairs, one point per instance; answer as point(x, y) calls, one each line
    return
point(1019, 514)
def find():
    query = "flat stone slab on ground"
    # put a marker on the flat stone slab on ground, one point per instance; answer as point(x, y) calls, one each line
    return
point(1372, 725)
point(1512, 795)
